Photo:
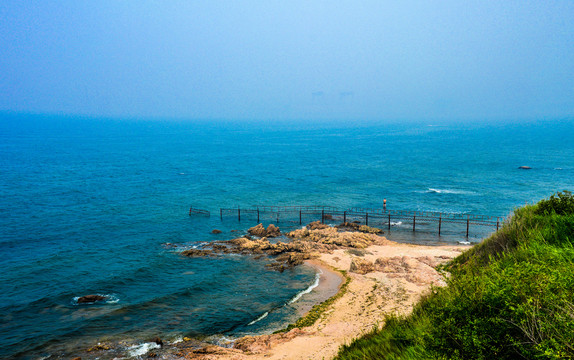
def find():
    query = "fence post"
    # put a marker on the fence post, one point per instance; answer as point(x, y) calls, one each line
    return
point(439, 223)
point(467, 224)
point(344, 216)
point(389, 221)
point(238, 213)
point(497, 224)
point(300, 222)
point(258, 215)
point(414, 222)
point(367, 219)
point(323, 216)
point(220, 213)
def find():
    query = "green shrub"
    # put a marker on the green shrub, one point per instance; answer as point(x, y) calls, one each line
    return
point(561, 203)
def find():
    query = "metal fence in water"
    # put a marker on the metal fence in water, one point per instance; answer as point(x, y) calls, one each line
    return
point(437, 222)
point(196, 211)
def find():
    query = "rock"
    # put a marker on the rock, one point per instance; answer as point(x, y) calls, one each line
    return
point(245, 245)
point(293, 258)
point(262, 343)
point(220, 248)
point(430, 261)
point(196, 252)
point(157, 340)
point(215, 231)
point(273, 231)
point(370, 230)
point(77, 358)
point(259, 230)
point(396, 264)
point(524, 167)
point(349, 225)
point(361, 266)
point(87, 299)
point(99, 347)
point(317, 225)
point(276, 266)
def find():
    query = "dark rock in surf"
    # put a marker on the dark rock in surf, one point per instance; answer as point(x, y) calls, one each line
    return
point(524, 167)
point(196, 252)
point(88, 299)
point(158, 341)
point(215, 231)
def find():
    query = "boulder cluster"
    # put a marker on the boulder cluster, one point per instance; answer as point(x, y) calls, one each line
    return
point(306, 243)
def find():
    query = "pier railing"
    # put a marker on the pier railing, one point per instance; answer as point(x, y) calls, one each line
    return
point(383, 218)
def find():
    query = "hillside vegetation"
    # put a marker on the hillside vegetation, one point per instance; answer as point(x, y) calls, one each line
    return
point(509, 297)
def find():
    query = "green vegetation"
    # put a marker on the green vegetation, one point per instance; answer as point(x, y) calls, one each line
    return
point(316, 311)
point(510, 297)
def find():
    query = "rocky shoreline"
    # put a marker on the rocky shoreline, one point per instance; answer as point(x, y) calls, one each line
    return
point(384, 277)
point(307, 243)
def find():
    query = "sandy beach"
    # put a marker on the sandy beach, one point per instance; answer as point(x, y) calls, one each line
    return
point(384, 278)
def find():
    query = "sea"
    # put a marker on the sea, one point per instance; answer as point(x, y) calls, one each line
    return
point(101, 206)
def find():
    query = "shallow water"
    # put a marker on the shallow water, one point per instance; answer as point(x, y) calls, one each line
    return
point(88, 205)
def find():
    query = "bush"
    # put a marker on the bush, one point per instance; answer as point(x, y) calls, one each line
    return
point(509, 297)
point(561, 203)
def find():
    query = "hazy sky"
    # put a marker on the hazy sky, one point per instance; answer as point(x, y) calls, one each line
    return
point(266, 59)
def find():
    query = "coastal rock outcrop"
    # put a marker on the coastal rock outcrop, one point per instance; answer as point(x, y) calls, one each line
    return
point(307, 243)
point(361, 266)
point(89, 299)
point(259, 230)
point(524, 167)
point(216, 231)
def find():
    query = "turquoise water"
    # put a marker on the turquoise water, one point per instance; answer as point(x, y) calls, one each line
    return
point(88, 205)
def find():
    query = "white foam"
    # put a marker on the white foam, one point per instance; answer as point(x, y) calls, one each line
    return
point(464, 242)
point(398, 223)
point(142, 349)
point(447, 191)
point(259, 318)
point(309, 289)
point(177, 340)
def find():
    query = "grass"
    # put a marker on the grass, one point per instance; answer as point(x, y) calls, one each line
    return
point(510, 297)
